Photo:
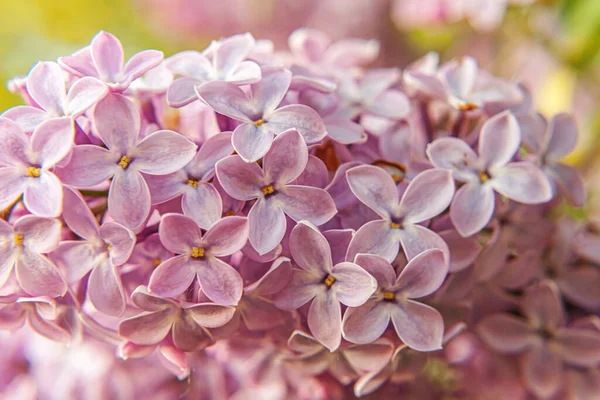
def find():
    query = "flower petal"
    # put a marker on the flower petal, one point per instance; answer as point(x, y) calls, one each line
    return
point(246, 73)
point(142, 62)
point(499, 140)
point(14, 147)
point(250, 142)
point(563, 136)
point(76, 258)
point(240, 180)
point(270, 90)
point(84, 93)
point(227, 99)
point(309, 248)
point(374, 237)
point(210, 315)
point(40, 235)
point(423, 274)
point(267, 226)
point(147, 328)
point(427, 195)
point(415, 239)
point(78, 216)
point(182, 91)
point(227, 236)
point(541, 371)
point(570, 182)
point(506, 333)
point(286, 159)
point(220, 282)
point(300, 117)
point(379, 268)
point(353, 284)
point(344, 131)
point(179, 233)
point(117, 121)
point(302, 288)
point(454, 154)
point(43, 196)
point(306, 203)
point(163, 152)
point(46, 85)
point(391, 104)
point(89, 166)
point(472, 208)
point(366, 323)
point(129, 198)
point(172, 277)
point(325, 320)
point(105, 289)
point(26, 117)
point(579, 347)
point(542, 305)
point(107, 54)
point(522, 182)
point(121, 241)
point(38, 276)
point(420, 326)
point(202, 204)
point(188, 336)
point(13, 185)
point(374, 187)
point(212, 151)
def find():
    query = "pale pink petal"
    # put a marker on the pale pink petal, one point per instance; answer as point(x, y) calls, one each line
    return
point(220, 282)
point(374, 237)
point(190, 63)
point(43, 196)
point(46, 85)
point(366, 323)
point(306, 203)
point(38, 276)
point(353, 285)
point(250, 142)
point(499, 140)
point(277, 277)
point(246, 73)
point(47, 329)
point(76, 258)
point(212, 151)
point(202, 204)
point(415, 239)
point(391, 104)
point(230, 52)
point(210, 315)
point(454, 154)
point(142, 62)
point(14, 183)
point(579, 347)
point(533, 129)
point(587, 246)
point(325, 320)
point(522, 182)
point(148, 301)
point(270, 90)
point(300, 117)
point(129, 198)
point(315, 174)
point(7, 258)
point(78, 216)
point(240, 180)
point(120, 239)
point(172, 277)
point(563, 136)
point(40, 235)
point(107, 55)
point(286, 159)
point(14, 146)
point(303, 287)
point(460, 75)
point(26, 117)
point(89, 166)
point(347, 53)
point(163, 152)
point(147, 328)
point(105, 289)
point(188, 336)
point(261, 315)
point(580, 286)
point(179, 233)
point(117, 121)
point(339, 240)
point(84, 93)
point(79, 63)
point(182, 91)
point(344, 131)
point(309, 248)
point(506, 333)
point(374, 187)
point(420, 326)
point(463, 251)
point(541, 371)
point(379, 268)
point(423, 274)
point(309, 43)
point(267, 226)
point(570, 181)
point(166, 187)
point(427, 195)
point(227, 236)
point(542, 305)
point(472, 208)
point(227, 99)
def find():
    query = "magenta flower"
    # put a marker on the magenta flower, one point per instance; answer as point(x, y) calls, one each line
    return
point(418, 325)
point(426, 196)
point(259, 113)
point(276, 198)
point(549, 142)
point(473, 205)
point(47, 85)
point(25, 164)
point(117, 121)
point(200, 200)
point(103, 59)
point(37, 312)
point(102, 250)
point(323, 284)
point(546, 345)
point(21, 248)
point(199, 256)
point(185, 322)
point(224, 60)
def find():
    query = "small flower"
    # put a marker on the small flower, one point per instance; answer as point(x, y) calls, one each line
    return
point(418, 325)
point(117, 121)
point(323, 284)
point(103, 59)
point(22, 247)
point(39, 314)
point(25, 164)
point(276, 197)
point(199, 256)
point(473, 205)
point(259, 113)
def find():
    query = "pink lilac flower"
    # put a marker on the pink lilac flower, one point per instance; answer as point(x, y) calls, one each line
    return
point(545, 344)
point(426, 196)
point(185, 322)
point(224, 60)
point(200, 200)
point(26, 163)
point(276, 197)
point(103, 59)
point(22, 249)
point(260, 114)
point(47, 84)
point(117, 121)
point(200, 256)
point(323, 284)
point(550, 141)
point(37, 312)
point(490, 171)
point(418, 325)
point(103, 249)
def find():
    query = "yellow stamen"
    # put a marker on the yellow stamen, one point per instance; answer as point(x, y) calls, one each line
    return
point(193, 183)
point(395, 225)
point(33, 172)
point(484, 177)
point(329, 280)
point(259, 122)
point(468, 107)
point(157, 261)
point(197, 252)
point(108, 247)
point(124, 162)
point(269, 189)
point(229, 213)
point(18, 239)
point(388, 295)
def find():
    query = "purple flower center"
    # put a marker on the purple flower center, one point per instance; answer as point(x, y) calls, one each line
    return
point(329, 280)
point(268, 190)
point(389, 296)
point(484, 176)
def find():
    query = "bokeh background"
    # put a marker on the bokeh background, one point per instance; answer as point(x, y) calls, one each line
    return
point(550, 45)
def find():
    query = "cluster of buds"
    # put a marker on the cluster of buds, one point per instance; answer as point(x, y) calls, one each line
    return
point(290, 225)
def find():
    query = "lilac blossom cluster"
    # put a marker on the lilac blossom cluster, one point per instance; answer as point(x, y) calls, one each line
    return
point(290, 225)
